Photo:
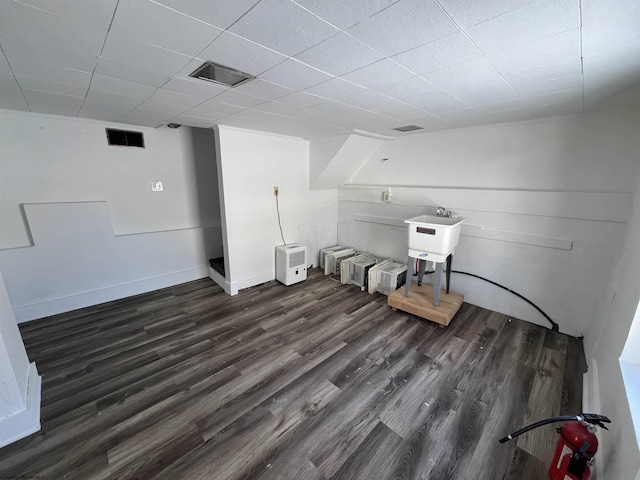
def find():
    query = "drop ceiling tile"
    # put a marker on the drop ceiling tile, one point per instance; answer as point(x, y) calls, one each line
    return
point(105, 106)
point(283, 26)
point(23, 51)
point(4, 65)
point(305, 113)
point(566, 96)
point(44, 28)
point(220, 13)
point(441, 53)
point(484, 93)
point(335, 89)
point(275, 107)
point(403, 26)
point(301, 99)
point(331, 107)
point(53, 87)
point(466, 73)
point(294, 74)
point(53, 103)
point(24, 67)
point(378, 74)
point(193, 121)
point(411, 113)
point(238, 99)
point(106, 98)
point(246, 116)
point(527, 24)
point(171, 101)
point(146, 118)
point(610, 26)
point(163, 27)
point(459, 116)
point(143, 56)
point(611, 71)
point(376, 102)
point(467, 13)
point(213, 110)
point(116, 86)
point(236, 52)
point(422, 95)
point(123, 71)
point(522, 75)
point(429, 123)
point(11, 97)
point(509, 105)
point(167, 109)
point(196, 88)
point(180, 100)
point(572, 82)
point(345, 14)
point(559, 48)
point(264, 90)
point(505, 117)
point(97, 13)
point(340, 54)
point(557, 109)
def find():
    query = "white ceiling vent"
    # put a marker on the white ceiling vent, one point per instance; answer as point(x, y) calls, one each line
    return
point(212, 72)
point(408, 128)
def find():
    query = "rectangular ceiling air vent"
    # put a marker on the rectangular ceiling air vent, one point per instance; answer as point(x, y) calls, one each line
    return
point(125, 138)
point(212, 72)
point(408, 128)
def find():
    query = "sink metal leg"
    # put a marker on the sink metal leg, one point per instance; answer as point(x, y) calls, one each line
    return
point(407, 284)
point(449, 261)
point(421, 267)
point(437, 280)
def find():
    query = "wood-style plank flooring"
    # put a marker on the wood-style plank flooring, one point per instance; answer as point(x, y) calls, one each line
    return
point(313, 381)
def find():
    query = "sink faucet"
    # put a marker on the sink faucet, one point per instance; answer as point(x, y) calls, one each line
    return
point(443, 212)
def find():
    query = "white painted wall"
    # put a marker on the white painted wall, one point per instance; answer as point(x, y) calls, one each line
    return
point(544, 182)
point(19, 380)
point(251, 165)
point(604, 343)
point(99, 232)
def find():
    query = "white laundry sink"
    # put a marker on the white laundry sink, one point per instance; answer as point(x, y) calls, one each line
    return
point(433, 234)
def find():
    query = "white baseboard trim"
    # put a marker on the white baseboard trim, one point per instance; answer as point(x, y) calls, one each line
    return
point(232, 288)
point(27, 421)
point(34, 311)
point(222, 282)
point(252, 282)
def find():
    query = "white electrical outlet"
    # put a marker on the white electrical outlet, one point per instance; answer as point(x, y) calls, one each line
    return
point(157, 186)
point(387, 196)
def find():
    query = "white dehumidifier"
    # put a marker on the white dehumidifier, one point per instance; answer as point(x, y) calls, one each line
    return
point(291, 263)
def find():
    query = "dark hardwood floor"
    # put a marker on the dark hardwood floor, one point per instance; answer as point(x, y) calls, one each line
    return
point(312, 381)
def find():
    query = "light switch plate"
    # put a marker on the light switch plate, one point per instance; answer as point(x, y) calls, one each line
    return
point(157, 186)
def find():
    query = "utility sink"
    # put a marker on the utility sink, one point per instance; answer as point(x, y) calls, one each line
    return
point(433, 234)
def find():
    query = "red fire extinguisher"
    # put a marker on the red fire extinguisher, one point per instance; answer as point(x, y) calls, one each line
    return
point(576, 446)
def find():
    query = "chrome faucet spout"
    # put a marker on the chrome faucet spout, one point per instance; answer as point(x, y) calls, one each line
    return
point(443, 212)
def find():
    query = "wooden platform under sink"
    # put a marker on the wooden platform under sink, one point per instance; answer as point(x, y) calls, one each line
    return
point(420, 303)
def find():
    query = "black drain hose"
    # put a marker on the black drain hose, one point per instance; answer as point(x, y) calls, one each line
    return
point(554, 326)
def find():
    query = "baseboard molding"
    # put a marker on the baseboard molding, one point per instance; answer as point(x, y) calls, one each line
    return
point(252, 282)
point(34, 311)
point(26, 422)
point(222, 282)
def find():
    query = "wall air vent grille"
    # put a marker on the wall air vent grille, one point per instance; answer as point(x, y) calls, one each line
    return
point(212, 72)
point(408, 128)
point(125, 138)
